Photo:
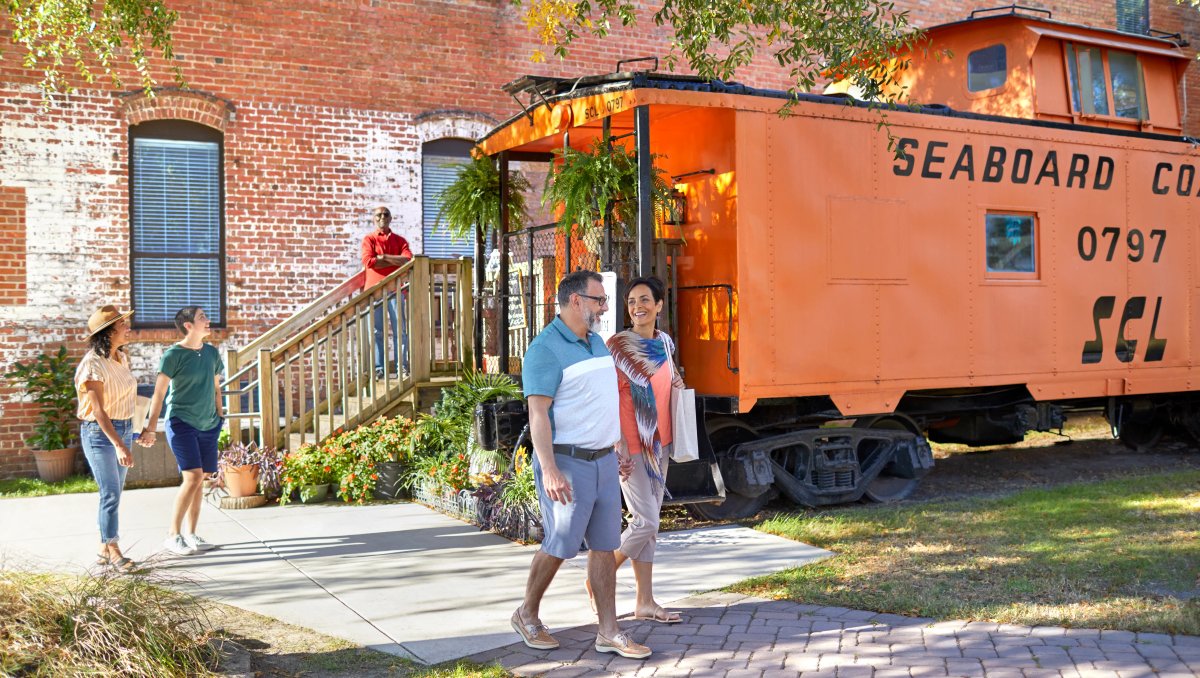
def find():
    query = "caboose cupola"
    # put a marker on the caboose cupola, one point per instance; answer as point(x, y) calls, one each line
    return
point(1022, 64)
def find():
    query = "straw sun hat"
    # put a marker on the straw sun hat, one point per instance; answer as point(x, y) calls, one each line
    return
point(103, 317)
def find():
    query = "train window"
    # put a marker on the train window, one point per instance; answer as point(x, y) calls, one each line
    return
point(1089, 90)
point(1128, 87)
point(1010, 243)
point(987, 68)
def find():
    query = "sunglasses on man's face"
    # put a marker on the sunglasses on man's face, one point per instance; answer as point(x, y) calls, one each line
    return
point(383, 215)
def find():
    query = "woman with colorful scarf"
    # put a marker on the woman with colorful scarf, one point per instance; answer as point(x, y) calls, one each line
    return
point(646, 374)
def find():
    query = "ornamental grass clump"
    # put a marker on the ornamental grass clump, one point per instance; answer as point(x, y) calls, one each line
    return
point(107, 624)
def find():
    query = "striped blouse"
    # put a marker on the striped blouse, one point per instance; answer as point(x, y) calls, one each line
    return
point(120, 388)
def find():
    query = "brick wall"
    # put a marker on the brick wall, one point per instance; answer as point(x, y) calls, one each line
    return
point(12, 246)
point(324, 106)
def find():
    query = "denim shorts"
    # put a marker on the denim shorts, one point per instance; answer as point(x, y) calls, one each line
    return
point(192, 447)
point(594, 513)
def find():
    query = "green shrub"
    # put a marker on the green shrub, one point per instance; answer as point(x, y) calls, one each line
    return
point(50, 381)
point(519, 488)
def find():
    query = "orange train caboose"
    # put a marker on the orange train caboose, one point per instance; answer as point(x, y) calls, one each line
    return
point(1024, 251)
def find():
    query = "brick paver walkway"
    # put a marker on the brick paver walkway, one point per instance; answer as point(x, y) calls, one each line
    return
point(731, 636)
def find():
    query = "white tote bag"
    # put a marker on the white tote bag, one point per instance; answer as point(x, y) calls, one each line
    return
point(684, 446)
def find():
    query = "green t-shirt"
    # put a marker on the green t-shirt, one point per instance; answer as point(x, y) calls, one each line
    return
point(192, 396)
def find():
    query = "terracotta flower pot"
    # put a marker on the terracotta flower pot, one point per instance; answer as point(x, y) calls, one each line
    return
point(241, 481)
point(55, 465)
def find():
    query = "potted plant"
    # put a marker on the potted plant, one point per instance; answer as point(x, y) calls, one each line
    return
point(587, 184)
point(242, 467)
point(50, 381)
point(471, 203)
point(389, 449)
point(306, 473)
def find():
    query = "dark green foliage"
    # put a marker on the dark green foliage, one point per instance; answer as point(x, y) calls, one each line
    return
point(50, 381)
point(586, 184)
point(473, 200)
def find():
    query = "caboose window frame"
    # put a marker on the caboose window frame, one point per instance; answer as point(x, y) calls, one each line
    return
point(1078, 69)
point(1012, 273)
point(985, 78)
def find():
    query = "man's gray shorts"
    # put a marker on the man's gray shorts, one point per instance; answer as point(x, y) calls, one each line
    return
point(594, 513)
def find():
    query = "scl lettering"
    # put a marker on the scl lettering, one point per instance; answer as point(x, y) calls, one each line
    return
point(1124, 348)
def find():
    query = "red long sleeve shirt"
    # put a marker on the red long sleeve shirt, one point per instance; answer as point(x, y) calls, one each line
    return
point(376, 243)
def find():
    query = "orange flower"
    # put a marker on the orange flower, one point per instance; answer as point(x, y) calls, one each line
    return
point(328, 469)
point(374, 476)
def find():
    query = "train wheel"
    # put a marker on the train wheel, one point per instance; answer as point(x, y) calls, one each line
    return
point(725, 433)
point(888, 488)
point(1141, 436)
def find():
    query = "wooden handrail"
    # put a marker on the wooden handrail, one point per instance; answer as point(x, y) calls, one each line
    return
point(319, 375)
point(370, 294)
point(306, 315)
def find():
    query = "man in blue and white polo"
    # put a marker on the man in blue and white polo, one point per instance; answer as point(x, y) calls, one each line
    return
point(574, 421)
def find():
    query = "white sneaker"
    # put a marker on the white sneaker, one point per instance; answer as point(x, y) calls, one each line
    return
point(198, 543)
point(178, 545)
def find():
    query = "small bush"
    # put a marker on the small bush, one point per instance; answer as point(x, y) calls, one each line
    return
point(110, 624)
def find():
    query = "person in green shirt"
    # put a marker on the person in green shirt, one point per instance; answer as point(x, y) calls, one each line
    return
point(189, 379)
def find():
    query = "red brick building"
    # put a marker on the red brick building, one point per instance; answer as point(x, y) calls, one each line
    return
point(299, 118)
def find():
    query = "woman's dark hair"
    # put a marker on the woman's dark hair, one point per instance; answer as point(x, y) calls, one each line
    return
point(657, 289)
point(187, 314)
point(101, 342)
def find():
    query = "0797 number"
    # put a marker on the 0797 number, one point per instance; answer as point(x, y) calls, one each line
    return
point(1135, 242)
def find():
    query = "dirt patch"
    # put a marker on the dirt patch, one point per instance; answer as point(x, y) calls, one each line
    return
point(281, 650)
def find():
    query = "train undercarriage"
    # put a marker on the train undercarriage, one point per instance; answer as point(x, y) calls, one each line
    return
point(795, 449)
point(801, 449)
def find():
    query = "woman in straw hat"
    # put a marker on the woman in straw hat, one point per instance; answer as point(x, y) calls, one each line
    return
point(107, 395)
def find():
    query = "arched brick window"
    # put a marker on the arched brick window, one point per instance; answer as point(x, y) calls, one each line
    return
point(177, 220)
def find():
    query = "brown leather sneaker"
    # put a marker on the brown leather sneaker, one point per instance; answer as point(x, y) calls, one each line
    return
point(623, 645)
point(536, 636)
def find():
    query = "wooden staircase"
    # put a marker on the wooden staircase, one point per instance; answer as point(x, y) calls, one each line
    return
point(313, 374)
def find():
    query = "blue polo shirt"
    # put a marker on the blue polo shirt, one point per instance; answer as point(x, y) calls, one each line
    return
point(580, 376)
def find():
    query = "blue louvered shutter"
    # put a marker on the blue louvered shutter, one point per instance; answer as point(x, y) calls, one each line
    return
point(440, 161)
point(176, 213)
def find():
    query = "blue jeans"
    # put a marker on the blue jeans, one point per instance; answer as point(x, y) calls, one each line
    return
point(110, 476)
point(398, 348)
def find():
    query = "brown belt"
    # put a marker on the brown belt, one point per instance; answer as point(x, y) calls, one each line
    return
point(581, 452)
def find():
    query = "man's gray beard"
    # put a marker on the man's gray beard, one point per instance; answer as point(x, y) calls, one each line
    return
point(592, 319)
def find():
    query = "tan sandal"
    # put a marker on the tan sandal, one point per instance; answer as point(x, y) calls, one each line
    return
point(661, 615)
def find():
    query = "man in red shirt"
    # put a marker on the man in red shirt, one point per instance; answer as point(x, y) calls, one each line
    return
point(382, 253)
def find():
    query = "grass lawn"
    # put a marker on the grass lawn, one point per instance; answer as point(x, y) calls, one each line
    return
point(32, 487)
point(1120, 554)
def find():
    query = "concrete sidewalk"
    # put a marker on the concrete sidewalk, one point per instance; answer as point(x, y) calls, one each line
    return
point(406, 580)
point(394, 577)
